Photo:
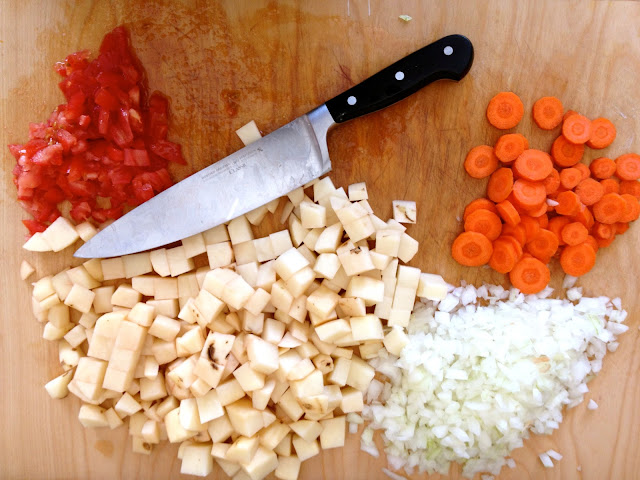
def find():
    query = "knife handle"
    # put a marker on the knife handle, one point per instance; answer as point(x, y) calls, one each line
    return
point(450, 57)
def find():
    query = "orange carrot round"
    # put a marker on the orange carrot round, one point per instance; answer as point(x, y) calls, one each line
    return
point(604, 242)
point(585, 217)
point(576, 260)
point(574, 233)
point(603, 230)
point(533, 165)
point(610, 185)
point(609, 209)
point(570, 177)
point(602, 168)
point(471, 249)
point(592, 242)
point(505, 110)
point(516, 244)
point(628, 166)
point(568, 113)
point(577, 129)
point(510, 146)
point(621, 227)
point(481, 161)
point(529, 194)
point(552, 182)
point(568, 203)
point(531, 226)
point(632, 187)
point(516, 231)
point(547, 112)
point(565, 153)
point(530, 275)
point(632, 208)
point(504, 256)
point(589, 191)
point(500, 185)
point(603, 133)
point(586, 173)
point(540, 209)
point(543, 220)
point(479, 204)
point(508, 212)
point(485, 222)
point(556, 224)
point(544, 245)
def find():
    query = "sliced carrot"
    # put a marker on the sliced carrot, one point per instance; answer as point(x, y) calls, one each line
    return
point(533, 165)
point(539, 210)
point(621, 227)
point(510, 146)
point(568, 113)
point(556, 224)
point(568, 203)
point(479, 204)
point(508, 212)
point(576, 260)
point(592, 242)
point(577, 129)
point(516, 244)
point(530, 275)
point(609, 209)
point(603, 230)
point(529, 194)
point(610, 185)
point(500, 185)
point(471, 249)
point(505, 110)
point(531, 226)
point(565, 153)
point(485, 222)
point(504, 256)
point(632, 187)
point(524, 140)
point(632, 208)
point(603, 133)
point(628, 166)
point(547, 112)
point(516, 231)
point(585, 217)
point(481, 161)
point(544, 245)
point(586, 173)
point(570, 177)
point(574, 233)
point(552, 182)
point(602, 168)
point(589, 191)
point(604, 242)
point(543, 220)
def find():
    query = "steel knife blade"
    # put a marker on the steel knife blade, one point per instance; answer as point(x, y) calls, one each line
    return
point(278, 163)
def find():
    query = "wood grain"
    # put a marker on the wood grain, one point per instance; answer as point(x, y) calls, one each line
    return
point(227, 62)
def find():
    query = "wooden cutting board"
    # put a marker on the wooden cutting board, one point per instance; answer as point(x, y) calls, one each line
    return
point(225, 63)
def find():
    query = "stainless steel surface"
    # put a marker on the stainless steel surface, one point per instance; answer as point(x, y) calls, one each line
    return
point(267, 169)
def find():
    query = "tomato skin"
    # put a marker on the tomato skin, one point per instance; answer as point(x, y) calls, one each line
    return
point(108, 140)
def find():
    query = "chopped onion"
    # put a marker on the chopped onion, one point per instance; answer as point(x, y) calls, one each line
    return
point(546, 461)
point(555, 455)
point(592, 405)
point(393, 475)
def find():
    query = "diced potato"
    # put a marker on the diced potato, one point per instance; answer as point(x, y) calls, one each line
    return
point(37, 243)
point(43, 288)
point(404, 211)
point(160, 262)
point(60, 234)
point(112, 417)
point(92, 416)
point(366, 328)
point(288, 468)
point(102, 300)
point(322, 302)
point(395, 340)
point(340, 373)
point(256, 216)
point(188, 285)
point(322, 188)
point(137, 264)
point(263, 356)
point(49, 302)
point(240, 230)
point(281, 242)
point(355, 260)
point(284, 448)
point(220, 254)
point(260, 398)
point(237, 292)
point(245, 419)
point(26, 270)
point(80, 298)
point(194, 245)
point(358, 191)
point(296, 230)
point(164, 328)
point(209, 406)
point(192, 341)
point(86, 231)
point(242, 450)
point(262, 464)
point(61, 284)
point(249, 378)
point(189, 416)
point(327, 265)
point(151, 431)
point(175, 432)
point(432, 287)
point(249, 133)
point(408, 248)
point(333, 330)
point(216, 235)
point(58, 387)
point(370, 349)
point(304, 449)
point(312, 215)
point(167, 307)
point(209, 307)
point(142, 314)
point(113, 268)
point(388, 242)
point(370, 290)
point(351, 307)
point(197, 460)
point(360, 374)
point(125, 296)
point(220, 429)
point(333, 432)
point(264, 249)
point(352, 400)
point(164, 352)
point(76, 336)
point(307, 429)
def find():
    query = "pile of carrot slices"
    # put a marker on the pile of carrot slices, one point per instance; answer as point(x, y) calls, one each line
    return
point(543, 205)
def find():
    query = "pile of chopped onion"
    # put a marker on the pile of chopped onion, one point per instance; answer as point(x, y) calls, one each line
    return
point(483, 368)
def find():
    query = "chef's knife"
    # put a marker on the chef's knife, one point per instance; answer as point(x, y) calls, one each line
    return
point(277, 163)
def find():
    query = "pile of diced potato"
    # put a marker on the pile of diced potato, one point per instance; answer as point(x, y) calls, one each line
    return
point(254, 361)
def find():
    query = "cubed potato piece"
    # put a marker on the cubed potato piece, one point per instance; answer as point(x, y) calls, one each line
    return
point(312, 237)
point(229, 392)
point(142, 314)
point(216, 279)
point(264, 249)
point(404, 211)
point(288, 468)
point(94, 267)
point(151, 432)
point(188, 285)
point(216, 235)
point(281, 298)
point(86, 231)
point(220, 254)
point(432, 287)
point(356, 260)
point(360, 374)
point(113, 418)
point(168, 307)
point(370, 290)
point(189, 416)
point(307, 429)
point(51, 332)
point(76, 336)
point(88, 320)
point(102, 299)
point(323, 362)
point(256, 216)
point(179, 263)
point(327, 265)
point(151, 367)
point(242, 450)
point(60, 234)
point(43, 288)
point(395, 341)
point(296, 196)
point(333, 330)
point(263, 356)
point(37, 243)
point(299, 282)
point(192, 341)
point(310, 385)
point(304, 449)
point(146, 284)
point(358, 191)
point(322, 302)
point(175, 432)
point(240, 230)
point(137, 264)
point(209, 407)
point(340, 373)
point(194, 245)
point(81, 276)
point(333, 432)
point(237, 293)
point(360, 229)
point(284, 448)
point(262, 464)
point(92, 416)
point(58, 387)
point(296, 230)
point(379, 260)
point(61, 284)
point(388, 242)
point(290, 406)
point(272, 435)
point(245, 419)
point(249, 378)
point(80, 298)
point(366, 328)
point(164, 352)
point(312, 215)
point(351, 212)
point(323, 188)
point(209, 307)
point(289, 263)
point(160, 262)
point(329, 239)
point(281, 242)
point(197, 460)
point(112, 268)
point(50, 302)
point(59, 316)
point(249, 133)
point(260, 397)
point(351, 307)
point(352, 400)
point(408, 248)
point(165, 328)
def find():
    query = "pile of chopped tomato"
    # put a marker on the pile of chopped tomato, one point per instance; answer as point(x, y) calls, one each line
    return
point(105, 150)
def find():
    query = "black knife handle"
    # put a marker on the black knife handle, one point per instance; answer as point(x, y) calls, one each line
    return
point(450, 57)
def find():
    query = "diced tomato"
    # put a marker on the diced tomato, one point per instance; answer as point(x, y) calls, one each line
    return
point(34, 226)
point(136, 158)
point(168, 150)
point(80, 212)
point(120, 132)
point(50, 155)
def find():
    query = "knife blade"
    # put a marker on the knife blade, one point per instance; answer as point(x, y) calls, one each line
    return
point(278, 163)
